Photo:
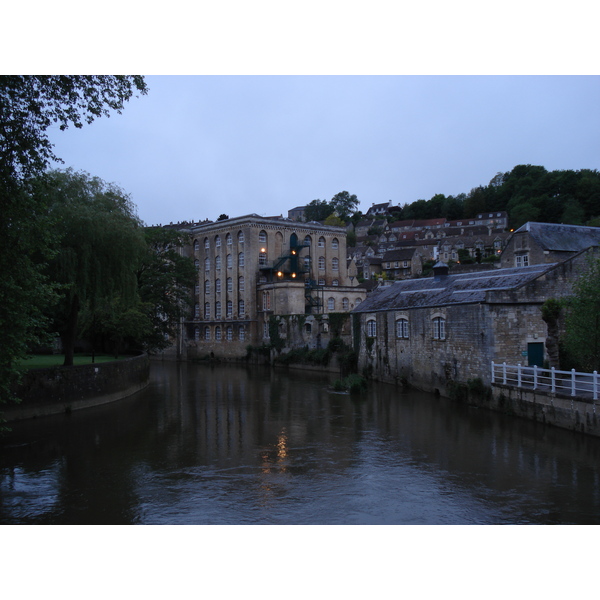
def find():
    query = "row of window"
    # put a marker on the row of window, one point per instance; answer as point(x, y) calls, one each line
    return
point(438, 325)
point(219, 333)
point(229, 285)
point(262, 239)
point(218, 311)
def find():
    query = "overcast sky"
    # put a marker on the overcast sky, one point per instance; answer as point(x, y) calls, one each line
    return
point(199, 146)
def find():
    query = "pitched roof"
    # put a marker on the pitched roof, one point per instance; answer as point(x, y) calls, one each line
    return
point(558, 237)
point(464, 288)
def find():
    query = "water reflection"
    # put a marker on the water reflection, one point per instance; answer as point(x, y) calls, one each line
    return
point(239, 445)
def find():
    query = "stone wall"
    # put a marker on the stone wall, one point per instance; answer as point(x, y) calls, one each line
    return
point(62, 389)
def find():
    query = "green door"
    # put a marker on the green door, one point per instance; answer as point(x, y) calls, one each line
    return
point(535, 354)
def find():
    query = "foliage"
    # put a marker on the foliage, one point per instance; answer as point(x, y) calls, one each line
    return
point(317, 210)
point(351, 239)
point(336, 323)
point(276, 340)
point(351, 383)
point(344, 204)
point(582, 338)
point(223, 217)
point(334, 221)
point(29, 106)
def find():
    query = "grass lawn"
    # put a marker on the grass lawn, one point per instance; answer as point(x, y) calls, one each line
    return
point(56, 360)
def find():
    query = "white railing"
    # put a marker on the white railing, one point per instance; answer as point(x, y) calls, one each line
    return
point(571, 383)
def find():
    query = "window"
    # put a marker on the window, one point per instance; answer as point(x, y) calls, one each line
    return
point(228, 239)
point(197, 311)
point(206, 244)
point(207, 286)
point(242, 333)
point(218, 333)
point(335, 243)
point(265, 330)
point(322, 263)
point(217, 310)
point(321, 281)
point(357, 302)
point(207, 333)
point(241, 259)
point(335, 282)
point(307, 262)
point(371, 328)
point(402, 328)
point(335, 263)
point(262, 237)
point(522, 260)
point(266, 300)
point(321, 243)
point(308, 327)
point(345, 304)
point(439, 328)
point(229, 309)
point(307, 240)
point(207, 310)
point(229, 334)
point(229, 285)
point(262, 258)
point(331, 304)
point(207, 264)
point(405, 264)
point(218, 241)
point(218, 286)
point(196, 245)
point(240, 237)
point(241, 284)
point(241, 308)
point(218, 263)
point(229, 261)
point(197, 289)
point(197, 264)
point(197, 334)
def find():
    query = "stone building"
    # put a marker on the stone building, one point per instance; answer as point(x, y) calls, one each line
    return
point(251, 268)
point(544, 243)
point(449, 328)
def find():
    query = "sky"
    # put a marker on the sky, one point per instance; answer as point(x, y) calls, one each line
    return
point(198, 146)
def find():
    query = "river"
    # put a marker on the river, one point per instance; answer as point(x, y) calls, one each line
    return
point(236, 445)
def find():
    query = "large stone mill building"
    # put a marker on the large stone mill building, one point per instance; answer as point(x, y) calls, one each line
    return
point(251, 268)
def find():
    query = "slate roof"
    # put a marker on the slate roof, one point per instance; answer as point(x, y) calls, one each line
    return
point(562, 238)
point(399, 254)
point(464, 288)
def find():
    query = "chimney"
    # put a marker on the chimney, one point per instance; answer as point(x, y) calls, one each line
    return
point(440, 271)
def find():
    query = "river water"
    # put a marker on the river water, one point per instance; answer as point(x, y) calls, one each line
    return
point(237, 445)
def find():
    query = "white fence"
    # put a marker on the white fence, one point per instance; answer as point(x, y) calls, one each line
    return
point(571, 383)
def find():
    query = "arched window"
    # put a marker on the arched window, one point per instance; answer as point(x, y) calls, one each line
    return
point(371, 328)
point(229, 285)
point(321, 243)
point(345, 304)
point(206, 244)
point(228, 239)
point(197, 311)
point(207, 286)
point(335, 263)
point(218, 241)
point(241, 284)
point(207, 264)
point(207, 310)
point(307, 262)
point(197, 264)
point(197, 289)
point(331, 304)
point(262, 258)
point(308, 327)
point(241, 308)
point(335, 243)
point(229, 261)
point(218, 333)
point(357, 302)
point(322, 263)
point(242, 333)
point(229, 309)
point(218, 263)
point(197, 334)
point(241, 259)
point(335, 282)
point(308, 240)
point(217, 310)
point(218, 286)
point(402, 328)
point(262, 237)
point(196, 245)
point(207, 333)
point(240, 237)
point(439, 328)
point(266, 300)
point(321, 281)
point(229, 333)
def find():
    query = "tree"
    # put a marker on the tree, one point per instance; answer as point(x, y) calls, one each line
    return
point(582, 338)
point(318, 210)
point(29, 105)
point(98, 247)
point(344, 204)
point(223, 217)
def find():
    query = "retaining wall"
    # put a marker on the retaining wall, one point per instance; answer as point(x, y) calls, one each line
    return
point(63, 389)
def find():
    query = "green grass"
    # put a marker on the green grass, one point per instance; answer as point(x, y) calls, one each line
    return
point(56, 360)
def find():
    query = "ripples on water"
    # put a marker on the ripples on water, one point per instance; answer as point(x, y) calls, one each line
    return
point(231, 445)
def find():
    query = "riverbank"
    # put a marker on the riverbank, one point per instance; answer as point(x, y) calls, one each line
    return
point(55, 390)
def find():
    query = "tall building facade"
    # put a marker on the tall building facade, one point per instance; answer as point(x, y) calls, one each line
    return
point(251, 268)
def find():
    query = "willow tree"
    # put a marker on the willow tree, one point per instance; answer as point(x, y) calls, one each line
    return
point(99, 244)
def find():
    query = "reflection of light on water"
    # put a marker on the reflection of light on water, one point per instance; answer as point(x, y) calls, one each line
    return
point(282, 446)
point(273, 465)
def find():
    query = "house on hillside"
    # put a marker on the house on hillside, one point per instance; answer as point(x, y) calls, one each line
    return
point(543, 243)
point(379, 209)
point(449, 328)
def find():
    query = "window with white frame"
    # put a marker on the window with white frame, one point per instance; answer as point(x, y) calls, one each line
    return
point(307, 240)
point(321, 281)
point(218, 241)
point(266, 300)
point(262, 237)
point(357, 302)
point(197, 334)
point(218, 286)
point(335, 243)
point(207, 286)
point(207, 333)
point(229, 309)
point(372, 328)
point(335, 263)
point(262, 258)
point(218, 263)
point(241, 308)
point(439, 328)
point(196, 245)
point(241, 284)
point(207, 264)
point(207, 310)
point(265, 330)
point(197, 311)
point(242, 333)
point(331, 304)
point(229, 334)
point(197, 289)
point(241, 259)
point(335, 282)
point(522, 260)
point(402, 328)
point(217, 309)
point(345, 304)
point(229, 285)
point(206, 244)
point(218, 333)
point(322, 263)
point(229, 261)
point(240, 237)
point(228, 239)
point(321, 243)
